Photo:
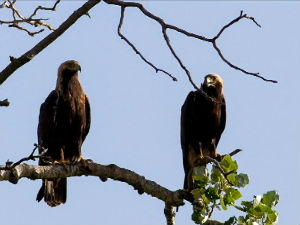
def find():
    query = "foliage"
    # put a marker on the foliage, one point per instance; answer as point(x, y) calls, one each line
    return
point(219, 189)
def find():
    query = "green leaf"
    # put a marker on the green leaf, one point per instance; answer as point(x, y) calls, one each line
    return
point(271, 198)
point(199, 218)
point(216, 175)
point(232, 178)
point(263, 208)
point(242, 180)
point(224, 206)
point(231, 221)
point(200, 175)
point(231, 196)
point(211, 193)
point(273, 217)
point(228, 164)
point(241, 220)
point(247, 205)
point(197, 193)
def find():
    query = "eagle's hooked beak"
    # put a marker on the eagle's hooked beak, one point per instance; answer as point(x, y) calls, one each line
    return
point(209, 81)
point(79, 68)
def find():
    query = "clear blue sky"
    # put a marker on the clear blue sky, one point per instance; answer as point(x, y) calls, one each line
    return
point(135, 112)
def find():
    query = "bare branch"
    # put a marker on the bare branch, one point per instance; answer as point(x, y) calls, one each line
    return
point(53, 8)
point(238, 68)
point(4, 102)
point(235, 152)
point(16, 25)
point(241, 16)
point(166, 26)
point(18, 18)
point(135, 49)
point(26, 57)
point(112, 171)
point(177, 58)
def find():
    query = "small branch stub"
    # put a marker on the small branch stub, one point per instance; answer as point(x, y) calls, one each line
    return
point(4, 102)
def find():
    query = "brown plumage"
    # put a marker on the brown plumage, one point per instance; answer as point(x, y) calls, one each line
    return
point(64, 123)
point(203, 118)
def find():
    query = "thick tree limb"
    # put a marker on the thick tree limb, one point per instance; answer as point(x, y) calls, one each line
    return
point(172, 199)
point(93, 169)
point(26, 57)
point(13, 172)
point(170, 214)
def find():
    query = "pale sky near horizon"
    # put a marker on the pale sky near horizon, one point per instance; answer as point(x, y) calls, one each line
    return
point(136, 112)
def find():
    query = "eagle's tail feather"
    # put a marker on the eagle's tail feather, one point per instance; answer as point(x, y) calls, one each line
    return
point(53, 191)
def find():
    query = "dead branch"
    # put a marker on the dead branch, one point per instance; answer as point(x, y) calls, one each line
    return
point(135, 49)
point(83, 10)
point(19, 19)
point(4, 102)
point(213, 40)
point(26, 57)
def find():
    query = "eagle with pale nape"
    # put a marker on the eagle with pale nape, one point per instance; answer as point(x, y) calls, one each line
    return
point(203, 118)
point(64, 123)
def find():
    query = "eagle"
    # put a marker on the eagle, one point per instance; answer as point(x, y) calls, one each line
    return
point(64, 123)
point(203, 118)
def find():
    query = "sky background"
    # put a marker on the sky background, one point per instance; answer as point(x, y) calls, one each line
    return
point(136, 112)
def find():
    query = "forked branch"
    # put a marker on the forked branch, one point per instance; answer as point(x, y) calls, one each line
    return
point(18, 19)
point(213, 40)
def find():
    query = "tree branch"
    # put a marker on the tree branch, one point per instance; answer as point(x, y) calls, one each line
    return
point(13, 172)
point(18, 18)
point(170, 214)
point(112, 171)
point(26, 57)
point(135, 49)
point(83, 10)
point(166, 26)
point(4, 102)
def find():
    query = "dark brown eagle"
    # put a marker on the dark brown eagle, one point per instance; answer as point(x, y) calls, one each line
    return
point(64, 123)
point(203, 118)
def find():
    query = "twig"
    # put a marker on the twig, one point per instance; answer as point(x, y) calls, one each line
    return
point(53, 8)
point(217, 164)
point(18, 18)
point(212, 209)
point(16, 25)
point(235, 152)
point(10, 165)
point(135, 49)
point(26, 57)
point(164, 31)
point(4, 102)
point(166, 26)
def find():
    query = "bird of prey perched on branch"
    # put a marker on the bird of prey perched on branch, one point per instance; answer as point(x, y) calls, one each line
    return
point(64, 123)
point(203, 118)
